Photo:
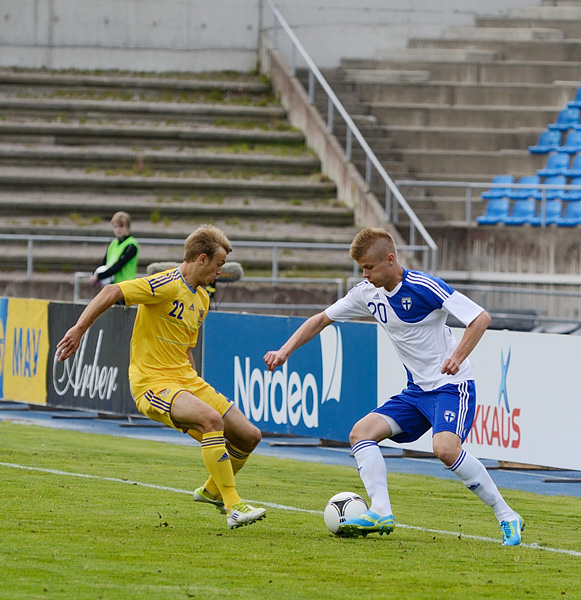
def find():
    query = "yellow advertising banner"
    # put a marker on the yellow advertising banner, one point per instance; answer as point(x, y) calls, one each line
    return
point(25, 346)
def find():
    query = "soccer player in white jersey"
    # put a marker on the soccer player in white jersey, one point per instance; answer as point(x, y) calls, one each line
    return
point(164, 383)
point(412, 308)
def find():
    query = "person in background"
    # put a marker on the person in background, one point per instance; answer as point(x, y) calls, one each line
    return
point(120, 261)
point(412, 307)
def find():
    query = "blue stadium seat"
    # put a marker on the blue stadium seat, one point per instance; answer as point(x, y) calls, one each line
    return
point(496, 212)
point(499, 192)
point(577, 102)
point(572, 216)
point(566, 119)
point(572, 195)
point(572, 143)
point(548, 141)
point(553, 209)
point(555, 192)
point(532, 181)
point(557, 164)
point(575, 170)
point(523, 211)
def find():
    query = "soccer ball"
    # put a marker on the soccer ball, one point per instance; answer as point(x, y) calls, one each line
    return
point(105, 281)
point(341, 507)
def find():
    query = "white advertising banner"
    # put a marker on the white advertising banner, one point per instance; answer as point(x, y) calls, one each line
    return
point(528, 397)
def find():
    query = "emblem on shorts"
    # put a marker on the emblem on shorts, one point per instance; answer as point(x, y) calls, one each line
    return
point(163, 393)
point(406, 303)
point(449, 416)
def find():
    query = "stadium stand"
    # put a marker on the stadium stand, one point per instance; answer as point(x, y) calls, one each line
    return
point(575, 169)
point(226, 155)
point(497, 211)
point(576, 102)
point(498, 191)
point(557, 164)
point(532, 190)
point(572, 194)
point(552, 213)
point(572, 215)
point(555, 192)
point(572, 143)
point(566, 119)
point(548, 142)
point(523, 211)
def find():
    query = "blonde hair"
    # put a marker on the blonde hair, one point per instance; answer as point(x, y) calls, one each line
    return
point(367, 238)
point(121, 218)
point(206, 239)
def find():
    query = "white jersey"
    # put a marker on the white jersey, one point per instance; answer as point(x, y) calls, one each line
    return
point(414, 317)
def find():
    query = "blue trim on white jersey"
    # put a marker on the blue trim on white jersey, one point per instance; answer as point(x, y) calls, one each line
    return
point(418, 295)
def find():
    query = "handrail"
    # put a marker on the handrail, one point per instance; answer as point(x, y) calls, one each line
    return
point(473, 185)
point(30, 240)
point(371, 159)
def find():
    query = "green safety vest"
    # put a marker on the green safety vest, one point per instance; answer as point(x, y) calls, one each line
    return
point(114, 252)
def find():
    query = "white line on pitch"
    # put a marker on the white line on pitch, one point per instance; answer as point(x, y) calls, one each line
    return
point(278, 506)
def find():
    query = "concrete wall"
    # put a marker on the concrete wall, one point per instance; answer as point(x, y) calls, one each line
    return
point(200, 35)
point(140, 35)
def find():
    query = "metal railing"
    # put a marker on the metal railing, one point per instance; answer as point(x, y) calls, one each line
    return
point(372, 163)
point(470, 186)
point(275, 247)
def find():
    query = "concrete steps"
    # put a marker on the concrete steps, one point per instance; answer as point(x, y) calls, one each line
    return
point(545, 50)
point(467, 105)
point(147, 135)
point(515, 71)
point(174, 152)
point(147, 160)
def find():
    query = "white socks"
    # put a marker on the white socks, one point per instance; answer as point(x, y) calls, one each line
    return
point(373, 473)
point(476, 478)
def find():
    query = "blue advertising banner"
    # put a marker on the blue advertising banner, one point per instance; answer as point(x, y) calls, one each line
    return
point(321, 391)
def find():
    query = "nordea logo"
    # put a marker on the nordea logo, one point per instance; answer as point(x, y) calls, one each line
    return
point(290, 397)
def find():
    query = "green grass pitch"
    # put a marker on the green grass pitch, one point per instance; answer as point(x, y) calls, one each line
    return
point(128, 529)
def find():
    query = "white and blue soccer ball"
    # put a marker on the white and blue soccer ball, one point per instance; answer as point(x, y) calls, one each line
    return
point(341, 507)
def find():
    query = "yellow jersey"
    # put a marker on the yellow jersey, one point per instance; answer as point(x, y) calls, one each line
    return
point(168, 320)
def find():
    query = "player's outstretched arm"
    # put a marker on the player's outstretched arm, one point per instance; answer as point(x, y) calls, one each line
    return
point(108, 296)
point(472, 335)
point(306, 332)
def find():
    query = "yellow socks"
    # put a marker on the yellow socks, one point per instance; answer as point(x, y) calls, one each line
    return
point(218, 463)
point(237, 458)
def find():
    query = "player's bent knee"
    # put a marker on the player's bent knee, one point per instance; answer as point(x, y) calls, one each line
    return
point(357, 434)
point(255, 437)
point(447, 454)
point(249, 439)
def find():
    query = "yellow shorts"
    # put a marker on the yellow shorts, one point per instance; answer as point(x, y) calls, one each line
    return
point(156, 401)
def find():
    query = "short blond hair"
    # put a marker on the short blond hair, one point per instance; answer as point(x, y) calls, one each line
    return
point(206, 239)
point(121, 218)
point(367, 238)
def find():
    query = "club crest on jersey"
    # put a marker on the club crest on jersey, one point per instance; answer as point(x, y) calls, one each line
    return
point(406, 303)
point(449, 416)
point(200, 316)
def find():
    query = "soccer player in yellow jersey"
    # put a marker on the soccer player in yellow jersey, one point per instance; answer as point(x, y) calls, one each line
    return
point(162, 375)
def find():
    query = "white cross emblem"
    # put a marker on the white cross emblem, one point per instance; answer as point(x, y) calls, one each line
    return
point(406, 303)
point(449, 416)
